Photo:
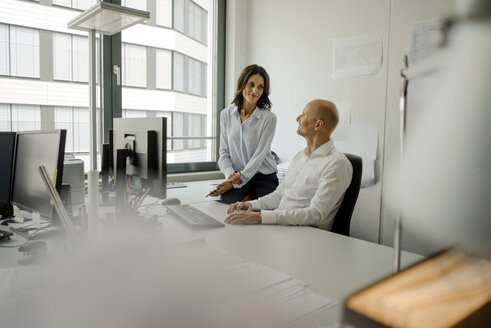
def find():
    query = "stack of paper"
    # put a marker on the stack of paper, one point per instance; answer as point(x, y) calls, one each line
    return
point(286, 295)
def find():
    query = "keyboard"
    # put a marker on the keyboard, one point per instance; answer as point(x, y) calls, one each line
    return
point(194, 216)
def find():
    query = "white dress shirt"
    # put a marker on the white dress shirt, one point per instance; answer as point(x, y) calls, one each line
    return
point(311, 191)
point(246, 146)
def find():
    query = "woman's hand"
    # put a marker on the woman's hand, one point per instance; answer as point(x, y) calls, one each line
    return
point(223, 187)
point(235, 177)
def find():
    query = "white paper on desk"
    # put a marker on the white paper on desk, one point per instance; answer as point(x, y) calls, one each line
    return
point(356, 56)
point(361, 140)
point(255, 275)
point(30, 224)
point(305, 304)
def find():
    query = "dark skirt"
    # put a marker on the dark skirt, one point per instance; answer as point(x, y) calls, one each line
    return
point(260, 185)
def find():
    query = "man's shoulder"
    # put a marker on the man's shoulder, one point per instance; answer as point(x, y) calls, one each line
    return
point(338, 158)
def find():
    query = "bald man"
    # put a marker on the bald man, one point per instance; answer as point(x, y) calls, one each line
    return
point(317, 178)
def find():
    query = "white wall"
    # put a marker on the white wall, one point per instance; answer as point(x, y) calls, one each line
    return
point(293, 40)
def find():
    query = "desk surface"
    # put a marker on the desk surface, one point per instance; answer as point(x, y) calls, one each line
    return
point(331, 264)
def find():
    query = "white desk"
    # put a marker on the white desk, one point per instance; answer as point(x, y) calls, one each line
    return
point(331, 264)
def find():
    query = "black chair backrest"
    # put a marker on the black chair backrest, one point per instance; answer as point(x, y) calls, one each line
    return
point(342, 219)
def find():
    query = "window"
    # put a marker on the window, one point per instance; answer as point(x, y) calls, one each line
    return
point(189, 75)
point(19, 51)
point(174, 82)
point(76, 4)
point(4, 117)
point(178, 72)
point(137, 4)
point(179, 15)
point(20, 117)
point(194, 130)
point(77, 123)
point(164, 13)
point(70, 57)
point(177, 130)
point(191, 19)
point(134, 113)
point(164, 69)
point(134, 65)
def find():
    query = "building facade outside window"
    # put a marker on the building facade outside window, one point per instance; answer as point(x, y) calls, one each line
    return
point(166, 65)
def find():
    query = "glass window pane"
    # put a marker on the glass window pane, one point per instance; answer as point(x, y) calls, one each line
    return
point(81, 130)
point(4, 117)
point(80, 58)
point(137, 4)
point(134, 65)
point(197, 23)
point(197, 77)
point(180, 80)
point(4, 50)
point(190, 19)
point(177, 130)
point(26, 117)
point(204, 27)
point(83, 4)
point(24, 51)
point(178, 72)
point(179, 15)
point(62, 57)
point(194, 130)
point(164, 69)
point(190, 71)
point(164, 13)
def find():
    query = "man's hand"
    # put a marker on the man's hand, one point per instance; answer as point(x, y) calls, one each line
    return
point(223, 187)
point(244, 217)
point(239, 206)
point(235, 178)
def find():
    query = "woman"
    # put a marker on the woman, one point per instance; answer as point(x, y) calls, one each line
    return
point(247, 130)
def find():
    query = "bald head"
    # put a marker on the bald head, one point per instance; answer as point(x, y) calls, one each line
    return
point(326, 111)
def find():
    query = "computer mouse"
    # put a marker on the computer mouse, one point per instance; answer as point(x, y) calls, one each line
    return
point(171, 201)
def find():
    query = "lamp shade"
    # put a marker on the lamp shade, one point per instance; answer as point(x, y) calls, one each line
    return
point(108, 18)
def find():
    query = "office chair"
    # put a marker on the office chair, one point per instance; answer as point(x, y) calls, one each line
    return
point(342, 219)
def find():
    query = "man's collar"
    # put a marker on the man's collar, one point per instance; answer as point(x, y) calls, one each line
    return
point(321, 151)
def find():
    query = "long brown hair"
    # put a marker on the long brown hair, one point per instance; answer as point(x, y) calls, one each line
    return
point(263, 101)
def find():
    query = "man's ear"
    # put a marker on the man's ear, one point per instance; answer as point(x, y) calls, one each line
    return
point(319, 124)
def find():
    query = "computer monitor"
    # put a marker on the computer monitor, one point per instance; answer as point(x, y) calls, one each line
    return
point(7, 143)
point(33, 149)
point(146, 157)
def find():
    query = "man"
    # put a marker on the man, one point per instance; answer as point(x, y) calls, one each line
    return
point(317, 178)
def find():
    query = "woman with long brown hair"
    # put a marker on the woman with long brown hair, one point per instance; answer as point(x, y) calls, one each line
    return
point(247, 130)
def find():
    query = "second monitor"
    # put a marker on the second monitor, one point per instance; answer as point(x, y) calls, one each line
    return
point(143, 141)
